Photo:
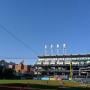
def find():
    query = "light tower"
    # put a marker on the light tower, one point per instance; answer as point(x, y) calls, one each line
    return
point(57, 49)
point(45, 50)
point(51, 47)
point(64, 49)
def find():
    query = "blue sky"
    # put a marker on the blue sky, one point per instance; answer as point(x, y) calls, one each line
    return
point(39, 22)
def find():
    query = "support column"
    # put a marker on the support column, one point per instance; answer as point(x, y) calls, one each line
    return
point(79, 72)
point(71, 71)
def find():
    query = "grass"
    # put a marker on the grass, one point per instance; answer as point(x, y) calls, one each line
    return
point(32, 83)
point(40, 82)
point(43, 83)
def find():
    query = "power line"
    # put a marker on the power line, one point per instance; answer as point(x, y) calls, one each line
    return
point(6, 57)
point(19, 40)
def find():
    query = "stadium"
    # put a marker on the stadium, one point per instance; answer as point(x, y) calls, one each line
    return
point(66, 67)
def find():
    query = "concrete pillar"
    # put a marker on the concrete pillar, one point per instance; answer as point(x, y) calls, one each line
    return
point(79, 72)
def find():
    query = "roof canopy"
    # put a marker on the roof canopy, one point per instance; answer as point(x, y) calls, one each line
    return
point(66, 56)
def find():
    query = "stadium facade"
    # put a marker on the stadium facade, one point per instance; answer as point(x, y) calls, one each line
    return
point(63, 66)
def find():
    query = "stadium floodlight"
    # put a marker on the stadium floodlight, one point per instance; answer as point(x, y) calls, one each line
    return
point(45, 52)
point(45, 46)
point(51, 46)
point(64, 48)
point(64, 45)
point(57, 45)
point(57, 49)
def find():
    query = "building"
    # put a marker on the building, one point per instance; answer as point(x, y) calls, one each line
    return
point(64, 66)
point(21, 68)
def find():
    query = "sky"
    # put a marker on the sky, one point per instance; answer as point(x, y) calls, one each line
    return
point(40, 22)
